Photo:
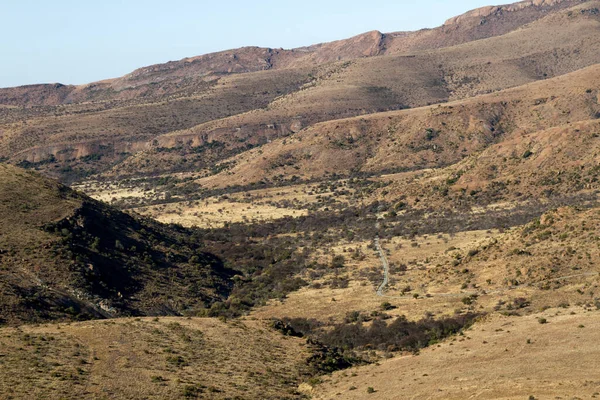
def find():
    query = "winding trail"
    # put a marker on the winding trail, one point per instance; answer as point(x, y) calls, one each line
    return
point(386, 268)
point(386, 279)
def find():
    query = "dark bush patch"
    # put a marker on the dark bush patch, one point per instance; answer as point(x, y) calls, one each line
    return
point(397, 335)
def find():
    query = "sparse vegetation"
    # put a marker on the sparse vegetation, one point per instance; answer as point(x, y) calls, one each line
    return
point(273, 171)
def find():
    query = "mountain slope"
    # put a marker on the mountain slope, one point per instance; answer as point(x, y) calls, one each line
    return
point(494, 360)
point(167, 79)
point(421, 138)
point(241, 111)
point(166, 358)
point(64, 255)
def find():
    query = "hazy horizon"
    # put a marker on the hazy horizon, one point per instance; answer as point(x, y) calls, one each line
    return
point(70, 42)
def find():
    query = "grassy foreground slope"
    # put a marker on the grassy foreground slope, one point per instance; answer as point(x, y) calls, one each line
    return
point(170, 358)
point(501, 358)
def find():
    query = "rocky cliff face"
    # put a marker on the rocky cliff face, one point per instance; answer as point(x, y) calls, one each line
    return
point(50, 94)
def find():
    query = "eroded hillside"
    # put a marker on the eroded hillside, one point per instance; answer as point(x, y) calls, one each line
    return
point(411, 214)
point(237, 111)
point(64, 255)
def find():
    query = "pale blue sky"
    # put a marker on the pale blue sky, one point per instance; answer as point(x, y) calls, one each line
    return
point(80, 41)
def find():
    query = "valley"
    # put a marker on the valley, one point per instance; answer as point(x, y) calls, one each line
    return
point(396, 215)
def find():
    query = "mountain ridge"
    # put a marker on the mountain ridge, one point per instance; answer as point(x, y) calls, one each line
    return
point(74, 141)
point(207, 68)
point(484, 12)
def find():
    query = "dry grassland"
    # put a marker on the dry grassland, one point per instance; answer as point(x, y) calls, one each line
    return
point(170, 358)
point(499, 358)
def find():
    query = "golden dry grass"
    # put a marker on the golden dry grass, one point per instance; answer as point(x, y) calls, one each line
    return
point(114, 193)
point(499, 358)
point(545, 264)
point(252, 206)
point(215, 214)
point(439, 293)
point(170, 358)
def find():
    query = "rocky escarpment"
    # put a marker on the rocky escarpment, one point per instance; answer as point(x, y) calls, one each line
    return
point(484, 12)
point(49, 94)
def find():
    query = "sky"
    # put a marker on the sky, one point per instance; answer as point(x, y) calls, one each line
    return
point(81, 41)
